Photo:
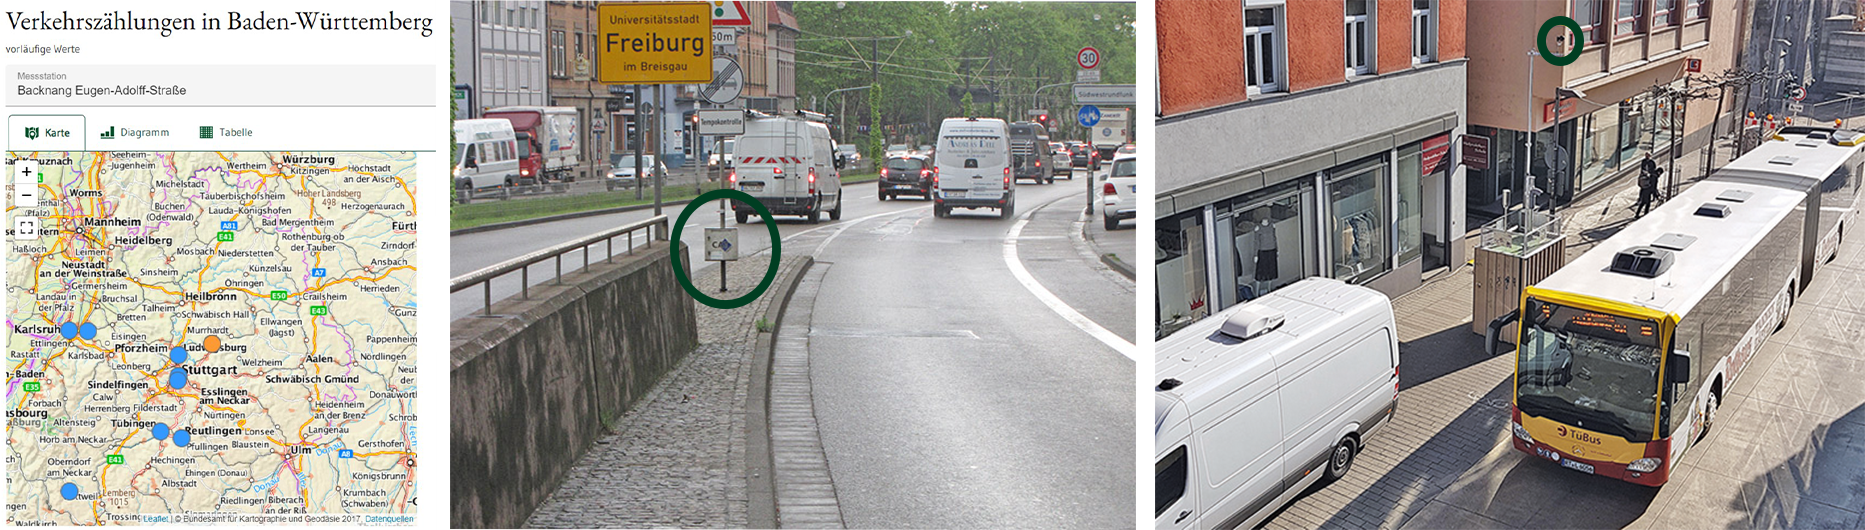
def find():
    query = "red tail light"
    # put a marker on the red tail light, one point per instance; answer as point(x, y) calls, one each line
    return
point(812, 175)
point(883, 172)
point(1006, 178)
point(1108, 189)
point(777, 171)
point(925, 172)
point(732, 177)
point(1039, 163)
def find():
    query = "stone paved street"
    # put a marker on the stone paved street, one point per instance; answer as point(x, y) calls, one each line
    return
point(678, 458)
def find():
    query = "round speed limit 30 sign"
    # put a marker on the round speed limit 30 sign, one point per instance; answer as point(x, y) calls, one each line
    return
point(1088, 58)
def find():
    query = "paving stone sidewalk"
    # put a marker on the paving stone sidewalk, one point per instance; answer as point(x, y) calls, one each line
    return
point(677, 459)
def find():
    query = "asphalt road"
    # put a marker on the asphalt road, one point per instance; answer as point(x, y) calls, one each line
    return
point(949, 395)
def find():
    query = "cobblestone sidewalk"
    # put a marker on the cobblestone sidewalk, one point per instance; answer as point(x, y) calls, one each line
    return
point(677, 459)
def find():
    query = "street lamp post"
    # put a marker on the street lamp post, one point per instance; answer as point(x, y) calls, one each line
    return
point(841, 119)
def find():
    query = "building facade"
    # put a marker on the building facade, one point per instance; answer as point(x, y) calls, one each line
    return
point(1305, 138)
point(1634, 58)
point(570, 40)
point(498, 55)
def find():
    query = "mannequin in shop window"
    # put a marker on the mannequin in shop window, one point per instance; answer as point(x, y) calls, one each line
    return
point(1262, 237)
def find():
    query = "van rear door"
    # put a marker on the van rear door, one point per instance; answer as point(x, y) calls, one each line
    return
point(771, 165)
point(972, 165)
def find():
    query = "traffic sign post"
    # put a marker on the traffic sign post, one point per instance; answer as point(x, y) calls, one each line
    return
point(722, 246)
point(728, 81)
point(1088, 58)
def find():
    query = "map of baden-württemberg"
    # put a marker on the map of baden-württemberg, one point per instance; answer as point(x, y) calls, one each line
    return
point(211, 337)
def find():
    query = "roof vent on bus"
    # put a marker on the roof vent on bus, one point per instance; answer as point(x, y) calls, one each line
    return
point(1251, 320)
point(1645, 262)
point(1735, 195)
point(1784, 160)
point(1710, 209)
point(1674, 241)
point(1810, 141)
point(1169, 384)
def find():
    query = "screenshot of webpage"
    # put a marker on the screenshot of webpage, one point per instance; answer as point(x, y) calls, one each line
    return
point(211, 282)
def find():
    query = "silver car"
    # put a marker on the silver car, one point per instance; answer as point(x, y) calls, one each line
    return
point(622, 176)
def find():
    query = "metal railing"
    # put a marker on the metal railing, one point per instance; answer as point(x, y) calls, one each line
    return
point(1519, 232)
point(656, 228)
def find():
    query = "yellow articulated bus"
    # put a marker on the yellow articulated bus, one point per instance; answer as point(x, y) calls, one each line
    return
point(1622, 355)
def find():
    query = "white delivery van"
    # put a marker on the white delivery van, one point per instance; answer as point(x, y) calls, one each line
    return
point(787, 163)
point(488, 154)
point(1258, 402)
point(971, 167)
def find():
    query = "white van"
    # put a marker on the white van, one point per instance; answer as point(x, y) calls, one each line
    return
point(971, 167)
point(787, 163)
point(488, 154)
point(1263, 399)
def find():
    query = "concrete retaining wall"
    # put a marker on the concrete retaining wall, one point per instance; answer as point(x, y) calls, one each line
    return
point(532, 388)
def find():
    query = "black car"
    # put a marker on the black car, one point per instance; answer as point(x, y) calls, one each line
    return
point(906, 175)
point(1080, 155)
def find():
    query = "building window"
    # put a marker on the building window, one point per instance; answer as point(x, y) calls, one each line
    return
point(1410, 224)
point(556, 53)
point(1179, 271)
point(1259, 50)
point(1661, 13)
point(1359, 32)
point(1626, 18)
point(1695, 9)
point(1358, 221)
point(1424, 33)
point(1264, 242)
point(1587, 13)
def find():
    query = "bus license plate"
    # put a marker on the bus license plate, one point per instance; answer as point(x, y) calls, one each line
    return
point(1576, 465)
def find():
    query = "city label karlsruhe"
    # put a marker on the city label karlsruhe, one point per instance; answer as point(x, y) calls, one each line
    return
point(654, 43)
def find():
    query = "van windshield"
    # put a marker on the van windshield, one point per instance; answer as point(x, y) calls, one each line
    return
point(989, 151)
point(466, 151)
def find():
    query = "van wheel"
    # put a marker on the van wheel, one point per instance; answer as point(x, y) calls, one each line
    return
point(836, 214)
point(743, 216)
point(815, 216)
point(1009, 210)
point(1340, 460)
point(939, 211)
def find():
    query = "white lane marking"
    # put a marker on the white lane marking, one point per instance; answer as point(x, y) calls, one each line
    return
point(1049, 299)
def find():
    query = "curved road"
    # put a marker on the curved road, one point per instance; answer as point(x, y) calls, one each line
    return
point(950, 396)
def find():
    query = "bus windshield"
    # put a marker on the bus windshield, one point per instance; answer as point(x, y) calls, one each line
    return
point(1588, 369)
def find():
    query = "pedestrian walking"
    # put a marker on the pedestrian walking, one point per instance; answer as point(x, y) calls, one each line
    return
point(1647, 186)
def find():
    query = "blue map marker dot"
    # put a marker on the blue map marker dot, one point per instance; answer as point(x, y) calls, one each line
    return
point(160, 430)
point(179, 355)
point(88, 331)
point(181, 438)
point(68, 330)
point(178, 379)
point(70, 491)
